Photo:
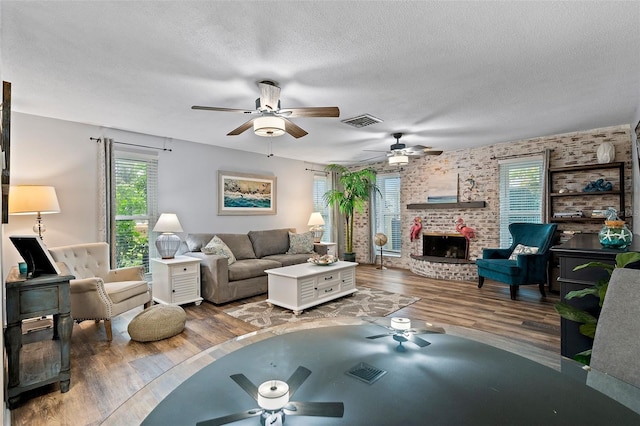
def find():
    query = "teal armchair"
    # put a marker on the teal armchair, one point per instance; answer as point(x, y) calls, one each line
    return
point(519, 269)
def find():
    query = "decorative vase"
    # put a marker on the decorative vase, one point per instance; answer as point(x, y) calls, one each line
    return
point(615, 234)
point(606, 153)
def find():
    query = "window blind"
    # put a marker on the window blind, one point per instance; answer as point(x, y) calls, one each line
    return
point(521, 194)
point(136, 194)
point(387, 211)
point(321, 185)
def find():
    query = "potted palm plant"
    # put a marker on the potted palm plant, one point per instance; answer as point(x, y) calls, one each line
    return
point(355, 189)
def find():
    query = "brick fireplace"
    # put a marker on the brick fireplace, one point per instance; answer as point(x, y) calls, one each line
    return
point(444, 256)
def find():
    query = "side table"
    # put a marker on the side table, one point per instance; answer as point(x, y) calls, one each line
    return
point(176, 281)
point(30, 298)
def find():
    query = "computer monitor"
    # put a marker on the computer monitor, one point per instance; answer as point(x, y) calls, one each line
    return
point(35, 255)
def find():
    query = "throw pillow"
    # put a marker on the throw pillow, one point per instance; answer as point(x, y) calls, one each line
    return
point(217, 246)
point(522, 249)
point(300, 243)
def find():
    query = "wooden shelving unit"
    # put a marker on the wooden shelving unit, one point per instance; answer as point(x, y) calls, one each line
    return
point(555, 195)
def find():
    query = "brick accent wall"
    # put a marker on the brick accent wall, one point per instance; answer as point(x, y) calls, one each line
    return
point(481, 165)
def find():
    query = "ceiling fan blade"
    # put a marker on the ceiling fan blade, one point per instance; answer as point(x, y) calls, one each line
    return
point(418, 341)
point(206, 108)
point(246, 385)
point(321, 409)
point(293, 129)
point(269, 95)
point(230, 418)
point(374, 150)
point(311, 112)
point(243, 127)
point(435, 330)
point(377, 336)
point(297, 378)
point(433, 152)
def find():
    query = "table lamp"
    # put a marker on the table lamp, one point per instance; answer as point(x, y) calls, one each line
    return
point(33, 199)
point(167, 243)
point(315, 222)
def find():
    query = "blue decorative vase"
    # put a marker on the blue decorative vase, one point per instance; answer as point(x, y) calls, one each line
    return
point(615, 234)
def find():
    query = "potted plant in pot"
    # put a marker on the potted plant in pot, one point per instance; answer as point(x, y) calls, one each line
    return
point(355, 189)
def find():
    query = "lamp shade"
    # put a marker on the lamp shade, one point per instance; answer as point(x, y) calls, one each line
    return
point(33, 199)
point(315, 219)
point(399, 159)
point(168, 222)
point(268, 126)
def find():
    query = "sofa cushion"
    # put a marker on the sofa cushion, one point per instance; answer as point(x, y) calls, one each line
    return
point(217, 246)
point(240, 245)
point(250, 268)
point(289, 259)
point(300, 243)
point(195, 242)
point(119, 291)
point(272, 241)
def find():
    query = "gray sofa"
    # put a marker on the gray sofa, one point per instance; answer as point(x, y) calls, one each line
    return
point(255, 252)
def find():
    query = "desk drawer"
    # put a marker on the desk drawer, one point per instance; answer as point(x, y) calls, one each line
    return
point(191, 268)
point(327, 289)
point(39, 301)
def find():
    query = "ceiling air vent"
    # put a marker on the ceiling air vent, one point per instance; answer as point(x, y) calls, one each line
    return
point(362, 120)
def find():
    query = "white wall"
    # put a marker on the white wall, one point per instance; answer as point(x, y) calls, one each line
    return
point(47, 151)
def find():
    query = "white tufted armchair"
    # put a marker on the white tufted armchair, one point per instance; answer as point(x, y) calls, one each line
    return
point(98, 292)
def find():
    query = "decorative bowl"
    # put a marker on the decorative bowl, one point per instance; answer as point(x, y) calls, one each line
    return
point(324, 260)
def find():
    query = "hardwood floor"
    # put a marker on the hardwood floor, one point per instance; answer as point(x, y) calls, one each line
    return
point(105, 375)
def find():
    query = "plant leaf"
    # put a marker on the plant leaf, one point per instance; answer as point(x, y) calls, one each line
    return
point(623, 259)
point(581, 293)
point(583, 357)
point(574, 314)
point(588, 329)
point(602, 265)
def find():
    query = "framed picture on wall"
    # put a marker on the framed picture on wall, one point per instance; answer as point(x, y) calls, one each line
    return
point(244, 194)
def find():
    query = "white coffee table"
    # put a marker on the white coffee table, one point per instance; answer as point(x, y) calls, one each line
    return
point(298, 287)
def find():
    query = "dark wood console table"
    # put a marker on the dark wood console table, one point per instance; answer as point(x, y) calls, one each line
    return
point(33, 298)
point(581, 249)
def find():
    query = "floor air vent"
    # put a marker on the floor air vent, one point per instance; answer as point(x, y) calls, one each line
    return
point(365, 372)
point(362, 120)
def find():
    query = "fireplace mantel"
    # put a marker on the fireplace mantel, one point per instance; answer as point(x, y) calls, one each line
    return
point(463, 205)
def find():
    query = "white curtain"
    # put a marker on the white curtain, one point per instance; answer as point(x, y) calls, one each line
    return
point(106, 195)
point(337, 219)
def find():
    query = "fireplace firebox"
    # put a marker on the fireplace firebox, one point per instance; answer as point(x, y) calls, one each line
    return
point(446, 246)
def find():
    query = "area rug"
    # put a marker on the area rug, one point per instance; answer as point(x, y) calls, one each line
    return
point(367, 302)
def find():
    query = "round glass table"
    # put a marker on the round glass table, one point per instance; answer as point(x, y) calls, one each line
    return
point(384, 375)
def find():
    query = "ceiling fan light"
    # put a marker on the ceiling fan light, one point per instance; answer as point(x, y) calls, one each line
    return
point(268, 126)
point(398, 160)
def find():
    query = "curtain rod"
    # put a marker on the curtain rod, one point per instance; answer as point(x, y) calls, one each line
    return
point(314, 170)
point(135, 144)
point(504, 157)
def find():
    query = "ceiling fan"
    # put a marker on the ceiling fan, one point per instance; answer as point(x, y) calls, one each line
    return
point(272, 120)
point(399, 153)
point(401, 331)
point(273, 398)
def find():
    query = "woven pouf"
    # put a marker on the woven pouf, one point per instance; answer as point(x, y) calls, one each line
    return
point(157, 322)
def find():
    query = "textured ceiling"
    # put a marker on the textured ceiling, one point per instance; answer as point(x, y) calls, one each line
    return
point(448, 74)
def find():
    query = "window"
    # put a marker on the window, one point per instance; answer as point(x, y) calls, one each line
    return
point(521, 194)
point(387, 211)
point(136, 187)
point(321, 185)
